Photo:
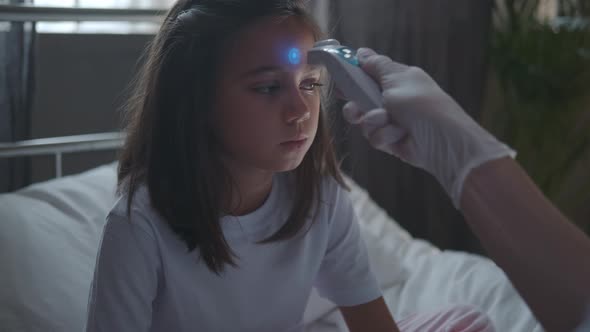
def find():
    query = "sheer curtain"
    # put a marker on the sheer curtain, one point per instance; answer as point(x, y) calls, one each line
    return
point(16, 89)
point(447, 38)
point(103, 27)
point(106, 3)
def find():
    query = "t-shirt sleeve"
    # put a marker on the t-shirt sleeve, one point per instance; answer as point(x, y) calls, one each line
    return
point(125, 278)
point(345, 276)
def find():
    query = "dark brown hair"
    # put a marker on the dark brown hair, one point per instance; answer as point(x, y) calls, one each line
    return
point(170, 146)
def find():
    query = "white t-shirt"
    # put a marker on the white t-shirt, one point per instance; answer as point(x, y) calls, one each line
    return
point(146, 280)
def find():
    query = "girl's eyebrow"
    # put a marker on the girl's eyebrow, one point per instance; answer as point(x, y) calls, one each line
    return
point(275, 69)
point(261, 70)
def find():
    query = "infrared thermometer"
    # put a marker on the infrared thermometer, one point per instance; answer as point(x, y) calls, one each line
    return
point(344, 68)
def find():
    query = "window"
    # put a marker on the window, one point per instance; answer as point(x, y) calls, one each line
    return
point(102, 27)
point(106, 3)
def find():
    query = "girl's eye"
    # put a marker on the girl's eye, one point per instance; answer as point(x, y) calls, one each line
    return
point(311, 86)
point(274, 88)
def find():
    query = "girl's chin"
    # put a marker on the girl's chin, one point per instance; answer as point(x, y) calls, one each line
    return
point(288, 165)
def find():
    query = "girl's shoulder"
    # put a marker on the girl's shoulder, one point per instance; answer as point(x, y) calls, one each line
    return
point(140, 212)
point(140, 201)
point(332, 188)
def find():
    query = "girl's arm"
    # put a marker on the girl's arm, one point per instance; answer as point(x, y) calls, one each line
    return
point(345, 276)
point(373, 316)
point(125, 279)
point(545, 256)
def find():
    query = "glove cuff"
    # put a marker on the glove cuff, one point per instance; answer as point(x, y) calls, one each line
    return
point(456, 189)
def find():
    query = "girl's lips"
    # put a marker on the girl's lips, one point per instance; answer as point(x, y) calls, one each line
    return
point(295, 144)
point(300, 137)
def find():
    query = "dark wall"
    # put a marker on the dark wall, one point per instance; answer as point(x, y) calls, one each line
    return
point(80, 84)
point(448, 39)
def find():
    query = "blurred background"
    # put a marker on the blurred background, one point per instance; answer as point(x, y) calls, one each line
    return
point(521, 68)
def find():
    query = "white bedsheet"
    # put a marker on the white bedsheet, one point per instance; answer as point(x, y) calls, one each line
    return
point(49, 235)
point(417, 277)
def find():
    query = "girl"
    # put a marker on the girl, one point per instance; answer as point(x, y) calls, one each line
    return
point(232, 203)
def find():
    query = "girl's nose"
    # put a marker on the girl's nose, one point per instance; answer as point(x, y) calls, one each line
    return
point(297, 109)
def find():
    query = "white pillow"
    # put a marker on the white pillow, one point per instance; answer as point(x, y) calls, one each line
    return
point(49, 235)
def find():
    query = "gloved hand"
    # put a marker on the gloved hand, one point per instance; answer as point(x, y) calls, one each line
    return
point(422, 125)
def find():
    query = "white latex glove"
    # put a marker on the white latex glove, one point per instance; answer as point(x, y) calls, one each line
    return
point(422, 125)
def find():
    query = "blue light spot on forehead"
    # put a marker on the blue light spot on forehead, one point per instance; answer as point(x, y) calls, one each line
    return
point(294, 56)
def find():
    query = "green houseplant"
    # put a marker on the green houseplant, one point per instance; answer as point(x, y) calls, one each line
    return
point(543, 70)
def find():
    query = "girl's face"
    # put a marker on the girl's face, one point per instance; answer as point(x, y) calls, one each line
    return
point(266, 108)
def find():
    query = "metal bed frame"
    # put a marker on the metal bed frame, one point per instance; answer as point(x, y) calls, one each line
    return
point(27, 13)
point(57, 146)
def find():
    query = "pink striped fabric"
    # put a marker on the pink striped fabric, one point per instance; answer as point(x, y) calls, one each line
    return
point(451, 319)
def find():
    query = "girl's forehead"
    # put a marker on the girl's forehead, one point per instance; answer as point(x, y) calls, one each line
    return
point(268, 42)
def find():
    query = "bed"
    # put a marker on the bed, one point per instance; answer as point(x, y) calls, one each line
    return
point(49, 235)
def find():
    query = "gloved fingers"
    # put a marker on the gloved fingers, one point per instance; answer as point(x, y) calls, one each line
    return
point(403, 150)
point(364, 52)
point(368, 121)
point(385, 138)
point(372, 121)
point(407, 109)
point(378, 117)
point(352, 112)
point(393, 101)
point(379, 67)
point(379, 130)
